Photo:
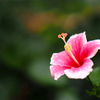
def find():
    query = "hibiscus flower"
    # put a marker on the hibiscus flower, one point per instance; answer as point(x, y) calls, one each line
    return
point(75, 60)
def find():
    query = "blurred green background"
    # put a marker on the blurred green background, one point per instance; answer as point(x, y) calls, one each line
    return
point(28, 37)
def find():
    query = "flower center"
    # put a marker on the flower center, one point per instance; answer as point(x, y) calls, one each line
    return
point(68, 48)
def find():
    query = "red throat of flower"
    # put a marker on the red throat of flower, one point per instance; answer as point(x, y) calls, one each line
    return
point(68, 47)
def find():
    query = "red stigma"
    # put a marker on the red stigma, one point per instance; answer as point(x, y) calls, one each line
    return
point(65, 34)
point(62, 35)
point(59, 36)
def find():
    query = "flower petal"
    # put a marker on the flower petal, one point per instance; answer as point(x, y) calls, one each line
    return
point(80, 72)
point(77, 41)
point(57, 71)
point(62, 59)
point(90, 49)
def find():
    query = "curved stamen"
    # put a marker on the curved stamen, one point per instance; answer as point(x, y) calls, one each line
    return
point(68, 47)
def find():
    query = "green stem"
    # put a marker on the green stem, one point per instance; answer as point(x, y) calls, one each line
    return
point(93, 86)
point(88, 78)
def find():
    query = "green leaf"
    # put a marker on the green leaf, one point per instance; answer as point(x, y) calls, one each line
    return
point(91, 93)
point(95, 76)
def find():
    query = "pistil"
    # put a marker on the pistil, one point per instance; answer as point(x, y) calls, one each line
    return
point(68, 47)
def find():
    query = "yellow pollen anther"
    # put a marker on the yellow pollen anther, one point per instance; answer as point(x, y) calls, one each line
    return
point(68, 47)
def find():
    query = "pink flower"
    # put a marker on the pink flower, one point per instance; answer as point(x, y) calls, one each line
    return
point(75, 61)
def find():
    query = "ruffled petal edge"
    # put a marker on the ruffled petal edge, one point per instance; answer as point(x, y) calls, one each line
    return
point(80, 72)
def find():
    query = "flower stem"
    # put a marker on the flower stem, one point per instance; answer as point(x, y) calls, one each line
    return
point(97, 94)
point(88, 78)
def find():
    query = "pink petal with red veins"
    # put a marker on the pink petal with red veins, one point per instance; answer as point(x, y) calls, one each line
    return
point(80, 72)
point(57, 71)
point(77, 41)
point(90, 49)
point(62, 59)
